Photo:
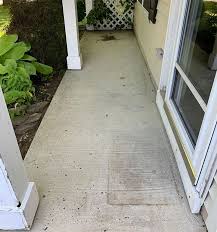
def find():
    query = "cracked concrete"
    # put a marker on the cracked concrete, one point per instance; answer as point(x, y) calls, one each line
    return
point(101, 159)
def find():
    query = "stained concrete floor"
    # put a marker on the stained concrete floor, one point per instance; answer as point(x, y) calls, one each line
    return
point(101, 159)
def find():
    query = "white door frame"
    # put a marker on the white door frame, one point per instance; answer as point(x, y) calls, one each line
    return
point(196, 192)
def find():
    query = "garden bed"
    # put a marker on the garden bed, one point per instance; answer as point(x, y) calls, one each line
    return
point(26, 126)
point(41, 24)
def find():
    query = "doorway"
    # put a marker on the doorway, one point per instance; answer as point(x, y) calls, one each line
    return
point(188, 78)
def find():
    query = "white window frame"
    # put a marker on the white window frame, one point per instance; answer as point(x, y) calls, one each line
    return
point(202, 168)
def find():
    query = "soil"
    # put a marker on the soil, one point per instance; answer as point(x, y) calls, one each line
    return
point(26, 126)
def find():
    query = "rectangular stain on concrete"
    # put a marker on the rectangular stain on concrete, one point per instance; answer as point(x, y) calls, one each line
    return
point(140, 172)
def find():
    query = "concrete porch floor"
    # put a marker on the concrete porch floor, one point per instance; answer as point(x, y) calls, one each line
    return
point(101, 159)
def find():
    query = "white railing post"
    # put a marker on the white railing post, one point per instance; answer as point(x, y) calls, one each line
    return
point(74, 59)
point(18, 197)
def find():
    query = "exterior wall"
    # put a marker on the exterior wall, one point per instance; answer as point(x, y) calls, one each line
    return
point(209, 210)
point(152, 36)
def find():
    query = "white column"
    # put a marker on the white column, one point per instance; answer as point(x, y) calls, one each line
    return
point(212, 63)
point(74, 59)
point(18, 197)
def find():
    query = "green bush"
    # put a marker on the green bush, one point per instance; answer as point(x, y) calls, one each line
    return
point(207, 26)
point(16, 68)
point(81, 10)
point(41, 24)
point(98, 13)
point(5, 19)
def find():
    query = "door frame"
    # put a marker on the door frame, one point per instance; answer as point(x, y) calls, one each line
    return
point(197, 190)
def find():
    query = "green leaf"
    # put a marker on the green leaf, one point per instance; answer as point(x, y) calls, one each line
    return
point(28, 46)
point(27, 57)
point(42, 68)
point(30, 68)
point(22, 72)
point(11, 65)
point(15, 96)
point(3, 69)
point(16, 52)
point(6, 43)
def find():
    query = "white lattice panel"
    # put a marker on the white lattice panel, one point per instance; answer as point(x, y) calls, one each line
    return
point(118, 19)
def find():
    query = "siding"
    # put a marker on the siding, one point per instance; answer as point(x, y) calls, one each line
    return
point(151, 36)
point(209, 211)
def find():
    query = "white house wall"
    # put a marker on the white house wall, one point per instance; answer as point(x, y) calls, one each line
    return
point(151, 36)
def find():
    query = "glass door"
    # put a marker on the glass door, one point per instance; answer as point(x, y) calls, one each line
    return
point(193, 77)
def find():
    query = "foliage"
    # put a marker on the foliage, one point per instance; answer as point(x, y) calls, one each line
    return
point(16, 67)
point(101, 12)
point(127, 4)
point(5, 19)
point(81, 10)
point(207, 26)
point(209, 17)
point(41, 24)
point(98, 13)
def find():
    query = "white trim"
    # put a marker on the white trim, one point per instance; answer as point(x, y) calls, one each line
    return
point(191, 87)
point(192, 195)
point(208, 136)
point(197, 154)
point(18, 197)
point(174, 28)
point(209, 169)
point(10, 153)
point(21, 218)
point(173, 43)
point(74, 60)
point(205, 166)
point(180, 127)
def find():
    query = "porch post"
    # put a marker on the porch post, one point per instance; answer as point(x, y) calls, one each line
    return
point(74, 59)
point(18, 197)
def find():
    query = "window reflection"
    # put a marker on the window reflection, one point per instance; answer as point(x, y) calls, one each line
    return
point(198, 56)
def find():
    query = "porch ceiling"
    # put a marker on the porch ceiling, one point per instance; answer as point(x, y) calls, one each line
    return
point(101, 159)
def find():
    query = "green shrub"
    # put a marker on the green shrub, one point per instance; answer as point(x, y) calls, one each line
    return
point(207, 26)
point(41, 24)
point(81, 10)
point(16, 68)
point(98, 13)
point(5, 19)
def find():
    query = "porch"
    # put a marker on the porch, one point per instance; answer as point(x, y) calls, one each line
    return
point(101, 159)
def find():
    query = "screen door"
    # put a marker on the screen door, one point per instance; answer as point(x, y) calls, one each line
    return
point(193, 78)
